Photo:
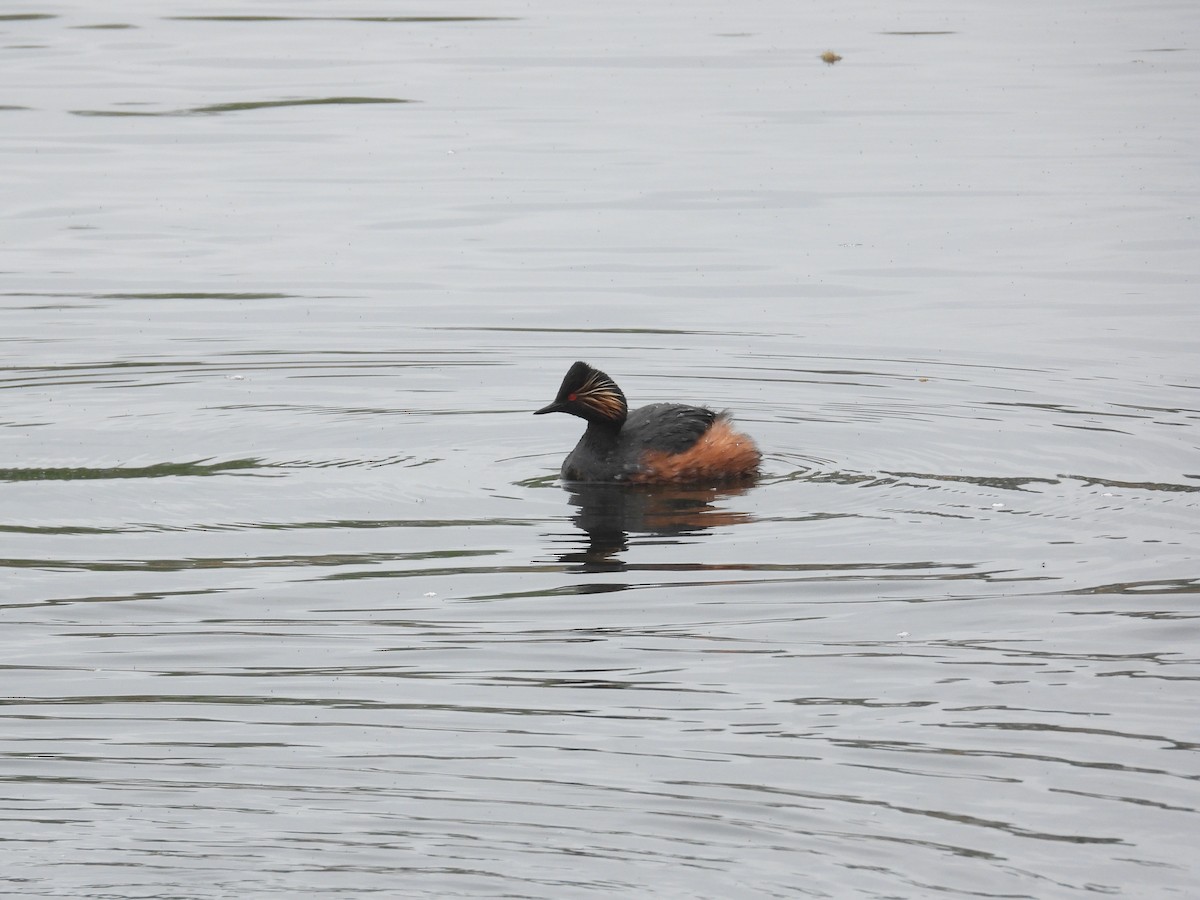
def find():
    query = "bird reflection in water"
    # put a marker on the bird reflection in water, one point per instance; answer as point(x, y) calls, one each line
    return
point(608, 513)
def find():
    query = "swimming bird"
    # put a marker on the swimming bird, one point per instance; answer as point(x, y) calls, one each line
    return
point(655, 444)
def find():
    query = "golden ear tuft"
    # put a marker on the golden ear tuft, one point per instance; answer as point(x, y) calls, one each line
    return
point(602, 394)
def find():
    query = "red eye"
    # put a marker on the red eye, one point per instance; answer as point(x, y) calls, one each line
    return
point(570, 396)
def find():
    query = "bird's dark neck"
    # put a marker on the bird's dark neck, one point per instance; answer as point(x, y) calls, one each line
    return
point(602, 435)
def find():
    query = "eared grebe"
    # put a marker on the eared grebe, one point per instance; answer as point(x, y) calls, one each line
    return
point(659, 443)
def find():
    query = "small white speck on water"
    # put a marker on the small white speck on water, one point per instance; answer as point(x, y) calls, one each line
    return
point(997, 506)
point(429, 594)
point(236, 377)
point(901, 634)
point(1106, 494)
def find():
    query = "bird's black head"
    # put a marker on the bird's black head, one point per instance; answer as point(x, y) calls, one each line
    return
point(591, 395)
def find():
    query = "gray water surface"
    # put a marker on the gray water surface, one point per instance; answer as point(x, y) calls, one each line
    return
point(292, 602)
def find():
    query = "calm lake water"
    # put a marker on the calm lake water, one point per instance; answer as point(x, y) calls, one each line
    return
point(292, 602)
